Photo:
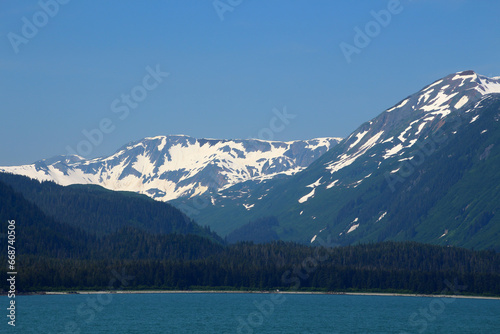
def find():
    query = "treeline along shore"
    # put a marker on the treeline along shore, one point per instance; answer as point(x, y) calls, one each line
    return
point(383, 267)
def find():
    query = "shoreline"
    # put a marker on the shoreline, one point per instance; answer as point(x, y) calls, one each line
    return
point(382, 294)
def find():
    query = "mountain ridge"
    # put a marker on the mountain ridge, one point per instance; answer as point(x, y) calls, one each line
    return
point(168, 167)
point(382, 159)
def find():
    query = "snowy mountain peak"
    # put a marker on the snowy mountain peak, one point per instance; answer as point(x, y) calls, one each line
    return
point(169, 167)
point(397, 129)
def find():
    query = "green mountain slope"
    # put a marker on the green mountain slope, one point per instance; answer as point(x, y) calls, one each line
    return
point(425, 170)
point(101, 211)
point(39, 235)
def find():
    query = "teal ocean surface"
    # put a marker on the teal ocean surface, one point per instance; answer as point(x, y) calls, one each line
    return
point(220, 313)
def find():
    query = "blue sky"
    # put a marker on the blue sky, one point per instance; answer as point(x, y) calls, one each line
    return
point(227, 78)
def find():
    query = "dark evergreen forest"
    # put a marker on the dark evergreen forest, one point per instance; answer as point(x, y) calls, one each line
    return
point(175, 253)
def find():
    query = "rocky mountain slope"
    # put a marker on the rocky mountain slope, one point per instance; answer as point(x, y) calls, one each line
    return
point(415, 172)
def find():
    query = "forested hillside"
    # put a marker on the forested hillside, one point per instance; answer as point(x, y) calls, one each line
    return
point(54, 255)
point(101, 211)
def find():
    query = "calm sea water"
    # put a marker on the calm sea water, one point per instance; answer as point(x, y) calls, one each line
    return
point(250, 313)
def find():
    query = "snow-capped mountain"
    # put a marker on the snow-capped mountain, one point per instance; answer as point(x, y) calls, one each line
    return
point(370, 187)
point(398, 129)
point(169, 167)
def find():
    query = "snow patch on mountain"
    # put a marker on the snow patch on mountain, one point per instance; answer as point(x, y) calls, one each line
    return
point(381, 217)
point(248, 206)
point(353, 227)
point(434, 84)
point(347, 159)
point(399, 105)
point(359, 136)
point(422, 125)
point(461, 102)
point(474, 119)
point(315, 184)
point(304, 199)
point(331, 185)
point(439, 105)
point(388, 140)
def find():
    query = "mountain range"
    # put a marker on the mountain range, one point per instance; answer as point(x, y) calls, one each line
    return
point(425, 169)
point(169, 167)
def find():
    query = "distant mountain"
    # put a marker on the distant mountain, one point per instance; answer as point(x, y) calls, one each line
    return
point(425, 170)
point(170, 167)
point(96, 210)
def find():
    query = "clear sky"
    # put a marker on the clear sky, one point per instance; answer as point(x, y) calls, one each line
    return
point(233, 66)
